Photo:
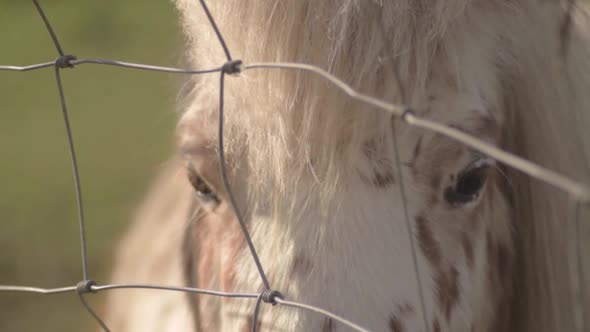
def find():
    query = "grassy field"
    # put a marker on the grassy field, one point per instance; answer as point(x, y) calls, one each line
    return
point(122, 123)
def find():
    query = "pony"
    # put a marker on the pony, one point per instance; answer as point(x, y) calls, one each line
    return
point(327, 186)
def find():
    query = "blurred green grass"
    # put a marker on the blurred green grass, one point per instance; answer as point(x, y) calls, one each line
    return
point(122, 123)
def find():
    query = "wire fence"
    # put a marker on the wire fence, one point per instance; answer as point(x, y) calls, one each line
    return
point(579, 193)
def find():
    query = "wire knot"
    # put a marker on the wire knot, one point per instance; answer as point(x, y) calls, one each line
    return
point(85, 286)
point(270, 296)
point(407, 111)
point(232, 67)
point(65, 61)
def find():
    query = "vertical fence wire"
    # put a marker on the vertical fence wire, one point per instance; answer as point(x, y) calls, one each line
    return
point(409, 228)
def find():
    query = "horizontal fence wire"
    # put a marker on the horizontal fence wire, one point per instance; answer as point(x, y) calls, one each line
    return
point(579, 193)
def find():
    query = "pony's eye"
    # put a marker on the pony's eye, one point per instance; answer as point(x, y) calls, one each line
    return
point(468, 184)
point(202, 190)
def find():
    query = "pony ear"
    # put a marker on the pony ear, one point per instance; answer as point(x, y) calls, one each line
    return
point(548, 109)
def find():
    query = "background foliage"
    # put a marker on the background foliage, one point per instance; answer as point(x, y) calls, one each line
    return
point(122, 122)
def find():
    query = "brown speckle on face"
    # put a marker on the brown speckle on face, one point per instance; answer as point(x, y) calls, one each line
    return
point(417, 149)
point(499, 258)
point(248, 326)
point(395, 324)
point(428, 244)
point(467, 249)
point(500, 264)
point(447, 289)
point(412, 163)
point(301, 266)
point(488, 127)
point(403, 311)
point(370, 149)
point(383, 179)
point(406, 310)
point(328, 325)
point(382, 171)
point(435, 325)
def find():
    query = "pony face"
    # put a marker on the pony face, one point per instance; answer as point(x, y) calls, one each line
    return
point(346, 242)
point(349, 209)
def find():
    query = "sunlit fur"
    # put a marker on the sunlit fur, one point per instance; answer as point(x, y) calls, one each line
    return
point(315, 174)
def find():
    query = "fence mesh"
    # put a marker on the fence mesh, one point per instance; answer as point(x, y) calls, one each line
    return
point(579, 193)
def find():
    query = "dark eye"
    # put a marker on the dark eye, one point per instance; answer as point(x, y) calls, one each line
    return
point(469, 183)
point(202, 189)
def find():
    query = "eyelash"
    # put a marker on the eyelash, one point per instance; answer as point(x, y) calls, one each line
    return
point(202, 190)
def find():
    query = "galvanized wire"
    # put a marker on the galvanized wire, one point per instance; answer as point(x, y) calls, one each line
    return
point(75, 172)
point(62, 62)
point(580, 193)
point(228, 190)
point(409, 228)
